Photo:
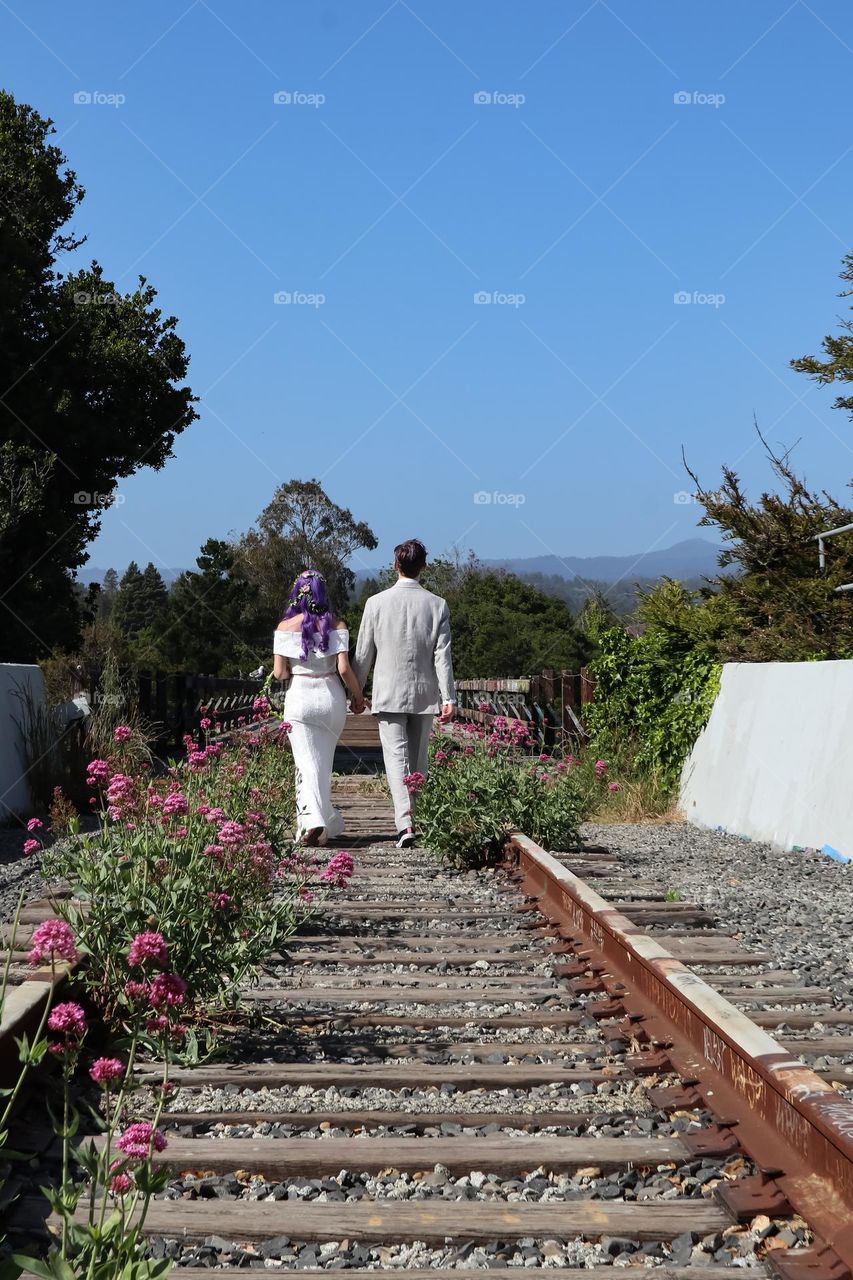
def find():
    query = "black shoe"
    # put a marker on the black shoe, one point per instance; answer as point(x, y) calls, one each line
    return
point(407, 838)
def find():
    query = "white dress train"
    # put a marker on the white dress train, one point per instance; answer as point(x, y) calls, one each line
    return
point(316, 707)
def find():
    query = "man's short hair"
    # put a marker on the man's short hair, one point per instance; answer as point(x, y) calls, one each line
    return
point(410, 557)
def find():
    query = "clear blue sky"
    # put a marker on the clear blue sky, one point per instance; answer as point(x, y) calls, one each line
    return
point(399, 197)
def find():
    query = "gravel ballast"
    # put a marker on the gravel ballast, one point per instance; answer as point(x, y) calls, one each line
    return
point(798, 906)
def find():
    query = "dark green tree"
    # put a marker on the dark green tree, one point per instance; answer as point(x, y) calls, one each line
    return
point(106, 598)
point(501, 626)
point(129, 609)
point(772, 602)
point(214, 625)
point(838, 350)
point(92, 389)
point(302, 528)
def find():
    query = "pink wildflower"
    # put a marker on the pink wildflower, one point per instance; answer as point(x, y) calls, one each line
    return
point(120, 1184)
point(122, 732)
point(68, 1018)
point(135, 990)
point(139, 1139)
point(35, 824)
point(221, 901)
point(168, 989)
point(231, 834)
point(413, 782)
point(204, 723)
point(148, 946)
point(98, 771)
point(103, 1070)
point(32, 846)
point(53, 938)
point(215, 815)
point(338, 870)
point(613, 786)
point(175, 803)
point(306, 895)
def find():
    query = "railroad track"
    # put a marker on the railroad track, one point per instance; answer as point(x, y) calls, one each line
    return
point(546, 1065)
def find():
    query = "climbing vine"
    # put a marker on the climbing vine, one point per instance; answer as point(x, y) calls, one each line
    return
point(652, 698)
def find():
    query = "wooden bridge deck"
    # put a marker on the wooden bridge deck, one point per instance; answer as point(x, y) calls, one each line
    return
point(359, 749)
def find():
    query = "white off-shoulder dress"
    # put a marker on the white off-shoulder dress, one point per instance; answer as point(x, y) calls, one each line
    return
point(316, 707)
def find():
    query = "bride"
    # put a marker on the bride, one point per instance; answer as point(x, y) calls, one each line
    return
point(311, 646)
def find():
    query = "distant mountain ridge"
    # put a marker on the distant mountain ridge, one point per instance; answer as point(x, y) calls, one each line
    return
point(692, 558)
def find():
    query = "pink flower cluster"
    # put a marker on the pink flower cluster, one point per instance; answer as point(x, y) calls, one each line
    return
point(175, 804)
point(140, 1139)
point(148, 946)
point(338, 870)
point(53, 938)
point(105, 1070)
point(98, 773)
point(414, 782)
point(122, 798)
point(167, 989)
point(68, 1020)
point(222, 901)
point(122, 733)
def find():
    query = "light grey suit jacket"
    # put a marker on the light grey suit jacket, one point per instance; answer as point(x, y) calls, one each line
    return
point(405, 630)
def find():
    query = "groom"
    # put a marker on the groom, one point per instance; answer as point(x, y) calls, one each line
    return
point(406, 631)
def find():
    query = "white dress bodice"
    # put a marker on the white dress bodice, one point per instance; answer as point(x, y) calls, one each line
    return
point(289, 645)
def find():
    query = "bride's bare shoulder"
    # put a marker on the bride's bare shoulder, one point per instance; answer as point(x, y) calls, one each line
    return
point(289, 624)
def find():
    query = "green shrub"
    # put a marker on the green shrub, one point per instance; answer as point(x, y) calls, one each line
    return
point(653, 696)
point(483, 786)
point(201, 856)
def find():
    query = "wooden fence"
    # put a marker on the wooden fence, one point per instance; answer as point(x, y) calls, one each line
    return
point(551, 704)
point(175, 704)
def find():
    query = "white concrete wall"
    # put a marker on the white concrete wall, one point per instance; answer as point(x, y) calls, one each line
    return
point(775, 761)
point(14, 792)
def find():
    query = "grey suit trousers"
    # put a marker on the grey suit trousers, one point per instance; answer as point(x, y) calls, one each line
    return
point(405, 747)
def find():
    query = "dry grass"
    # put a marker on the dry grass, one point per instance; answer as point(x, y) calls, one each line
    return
point(642, 800)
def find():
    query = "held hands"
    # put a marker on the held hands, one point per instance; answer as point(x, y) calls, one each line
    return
point(448, 711)
point(356, 705)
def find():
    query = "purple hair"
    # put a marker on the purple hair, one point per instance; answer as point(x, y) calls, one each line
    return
point(309, 596)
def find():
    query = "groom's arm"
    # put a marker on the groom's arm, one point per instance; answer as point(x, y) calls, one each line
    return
point(443, 660)
point(365, 648)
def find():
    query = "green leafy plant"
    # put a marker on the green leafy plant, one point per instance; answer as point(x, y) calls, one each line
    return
point(653, 695)
point(483, 784)
point(202, 856)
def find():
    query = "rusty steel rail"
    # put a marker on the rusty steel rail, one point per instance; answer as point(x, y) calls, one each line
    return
point(797, 1130)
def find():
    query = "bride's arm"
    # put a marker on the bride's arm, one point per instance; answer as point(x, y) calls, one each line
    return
point(280, 663)
point(347, 674)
